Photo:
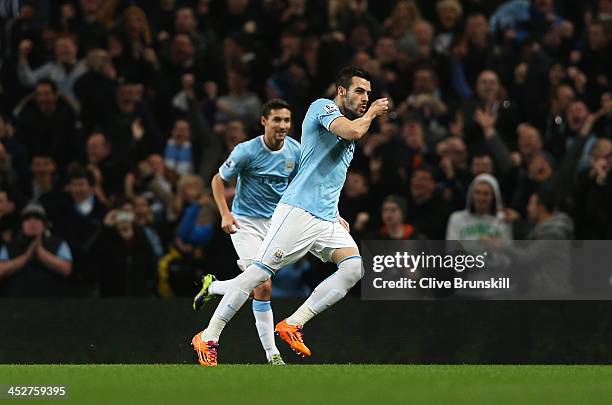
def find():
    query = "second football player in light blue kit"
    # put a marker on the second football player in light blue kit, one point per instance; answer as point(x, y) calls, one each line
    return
point(306, 218)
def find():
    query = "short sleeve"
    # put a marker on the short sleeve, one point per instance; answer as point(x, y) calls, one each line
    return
point(63, 252)
point(234, 163)
point(3, 254)
point(326, 111)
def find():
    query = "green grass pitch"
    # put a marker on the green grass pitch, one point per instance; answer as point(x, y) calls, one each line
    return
point(319, 384)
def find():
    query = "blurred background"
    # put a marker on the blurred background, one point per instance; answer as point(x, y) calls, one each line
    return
point(114, 116)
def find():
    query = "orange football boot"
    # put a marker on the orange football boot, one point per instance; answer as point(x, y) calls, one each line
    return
point(293, 335)
point(207, 351)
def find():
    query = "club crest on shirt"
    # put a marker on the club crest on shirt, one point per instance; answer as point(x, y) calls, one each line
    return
point(289, 165)
point(278, 255)
point(330, 108)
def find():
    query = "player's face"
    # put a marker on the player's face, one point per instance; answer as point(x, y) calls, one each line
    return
point(356, 97)
point(277, 124)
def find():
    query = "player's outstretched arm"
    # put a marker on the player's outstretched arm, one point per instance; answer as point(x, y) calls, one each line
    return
point(227, 219)
point(357, 128)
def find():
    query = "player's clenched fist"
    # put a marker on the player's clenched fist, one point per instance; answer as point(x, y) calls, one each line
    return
point(229, 224)
point(380, 106)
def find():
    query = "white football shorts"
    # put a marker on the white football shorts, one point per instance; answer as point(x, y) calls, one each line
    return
point(248, 238)
point(295, 232)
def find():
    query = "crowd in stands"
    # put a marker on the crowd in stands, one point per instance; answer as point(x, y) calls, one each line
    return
point(115, 115)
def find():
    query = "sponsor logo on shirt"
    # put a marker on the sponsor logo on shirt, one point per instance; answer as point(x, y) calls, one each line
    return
point(229, 163)
point(330, 108)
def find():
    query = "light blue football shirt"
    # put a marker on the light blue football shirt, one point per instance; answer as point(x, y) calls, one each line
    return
point(324, 162)
point(263, 175)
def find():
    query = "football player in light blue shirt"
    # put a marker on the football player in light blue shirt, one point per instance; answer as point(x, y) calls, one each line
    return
point(264, 166)
point(305, 219)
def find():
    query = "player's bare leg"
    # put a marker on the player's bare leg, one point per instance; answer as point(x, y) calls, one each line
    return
point(330, 291)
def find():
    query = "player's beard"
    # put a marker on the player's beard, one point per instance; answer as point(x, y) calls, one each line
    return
point(351, 109)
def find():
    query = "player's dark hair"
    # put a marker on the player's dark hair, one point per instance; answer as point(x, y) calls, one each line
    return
point(345, 76)
point(274, 104)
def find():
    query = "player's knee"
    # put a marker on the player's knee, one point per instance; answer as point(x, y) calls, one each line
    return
point(264, 291)
point(251, 278)
point(350, 270)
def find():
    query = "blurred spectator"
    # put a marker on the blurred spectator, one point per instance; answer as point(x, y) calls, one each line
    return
point(197, 222)
point(426, 209)
point(132, 129)
point(560, 100)
point(89, 21)
point(356, 202)
point(394, 226)
point(13, 150)
point(489, 99)
point(9, 217)
point(153, 181)
point(64, 71)
point(203, 38)
point(481, 163)
point(178, 154)
point(36, 263)
point(472, 54)
point(203, 145)
point(95, 90)
point(134, 40)
point(519, 19)
point(593, 194)
point(238, 103)
point(539, 172)
point(179, 270)
point(47, 124)
point(8, 176)
point(188, 190)
point(126, 262)
point(403, 155)
point(426, 100)
point(483, 215)
point(44, 187)
point(453, 163)
point(449, 23)
point(108, 171)
point(143, 217)
point(399, 26)
point(79, 219)
point(595, 61)
point(546, 259)
point(423, 32)
point(234, 133)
